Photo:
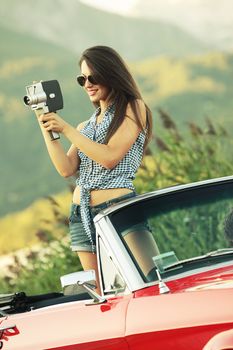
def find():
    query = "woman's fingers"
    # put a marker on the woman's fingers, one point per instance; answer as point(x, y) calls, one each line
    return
point(52, 122)
point(45, 118)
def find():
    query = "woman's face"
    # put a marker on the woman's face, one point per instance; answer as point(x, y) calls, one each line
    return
point(96, 92)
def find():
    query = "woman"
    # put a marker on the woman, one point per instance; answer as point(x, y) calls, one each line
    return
point(107, 149)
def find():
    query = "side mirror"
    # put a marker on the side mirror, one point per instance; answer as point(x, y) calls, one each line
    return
point(79, 282)
point(71, 283)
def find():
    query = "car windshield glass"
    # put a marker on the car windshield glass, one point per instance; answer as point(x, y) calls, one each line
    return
point(161, 230)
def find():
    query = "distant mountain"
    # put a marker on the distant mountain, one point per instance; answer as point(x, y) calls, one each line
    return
point(76, 26)
point(209, 20)
point(190, 89)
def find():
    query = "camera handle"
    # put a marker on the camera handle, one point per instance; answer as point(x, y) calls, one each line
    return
point(53, 135)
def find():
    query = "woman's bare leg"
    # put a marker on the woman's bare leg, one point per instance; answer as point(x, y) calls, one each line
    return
point(89, 262)
point(143, 248)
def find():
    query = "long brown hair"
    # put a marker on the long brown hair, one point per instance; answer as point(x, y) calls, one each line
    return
point(111, 71)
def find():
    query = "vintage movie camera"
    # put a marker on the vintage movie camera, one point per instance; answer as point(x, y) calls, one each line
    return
point(45, 97)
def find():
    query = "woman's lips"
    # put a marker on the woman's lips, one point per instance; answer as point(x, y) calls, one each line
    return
point(91, 92)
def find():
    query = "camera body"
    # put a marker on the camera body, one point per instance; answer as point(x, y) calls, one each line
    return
point(45, 97)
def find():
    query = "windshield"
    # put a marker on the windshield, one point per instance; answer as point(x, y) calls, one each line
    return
point(165, 229)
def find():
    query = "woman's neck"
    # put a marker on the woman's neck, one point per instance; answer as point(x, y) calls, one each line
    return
point(103, 106)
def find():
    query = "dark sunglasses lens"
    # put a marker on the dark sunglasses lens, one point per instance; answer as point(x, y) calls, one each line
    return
point(81, 80)
point(92, 79)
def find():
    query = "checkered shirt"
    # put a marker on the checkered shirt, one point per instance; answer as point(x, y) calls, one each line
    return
point(93, 175)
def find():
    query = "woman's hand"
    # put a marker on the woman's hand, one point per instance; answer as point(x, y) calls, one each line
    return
point(52, 122)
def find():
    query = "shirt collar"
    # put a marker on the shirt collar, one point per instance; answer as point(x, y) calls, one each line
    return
point(92, 120)
point(109, 111)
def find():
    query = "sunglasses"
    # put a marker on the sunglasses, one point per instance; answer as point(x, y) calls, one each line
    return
point(81, 79)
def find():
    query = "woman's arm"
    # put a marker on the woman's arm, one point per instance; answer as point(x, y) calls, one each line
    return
point(107, 155)
point(66, 164)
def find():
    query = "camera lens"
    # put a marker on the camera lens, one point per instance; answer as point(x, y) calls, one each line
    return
point(27, 100)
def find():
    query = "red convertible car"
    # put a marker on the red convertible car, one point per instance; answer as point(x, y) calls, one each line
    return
point(166, 269)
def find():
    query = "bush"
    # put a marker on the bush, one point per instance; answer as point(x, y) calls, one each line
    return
point(202, 153)
point(40, 268)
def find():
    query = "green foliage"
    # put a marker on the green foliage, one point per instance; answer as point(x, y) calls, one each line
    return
point(41, 270)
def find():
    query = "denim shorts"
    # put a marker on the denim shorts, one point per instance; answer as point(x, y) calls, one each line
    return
point(80, 241)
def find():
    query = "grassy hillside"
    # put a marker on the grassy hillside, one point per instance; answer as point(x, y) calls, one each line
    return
point(191, 88)
point(26, 227)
